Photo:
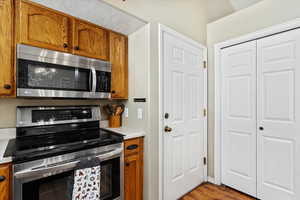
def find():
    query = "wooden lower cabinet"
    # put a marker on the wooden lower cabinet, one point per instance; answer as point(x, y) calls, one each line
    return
point(133, 170)
point(5, 183)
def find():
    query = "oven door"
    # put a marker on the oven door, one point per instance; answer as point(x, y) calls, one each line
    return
point(55, 182)
point(41, 79)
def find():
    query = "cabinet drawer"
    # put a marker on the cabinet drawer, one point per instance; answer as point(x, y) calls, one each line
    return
point(133, 146)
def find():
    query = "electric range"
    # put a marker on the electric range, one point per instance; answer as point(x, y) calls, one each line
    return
point(51, 141)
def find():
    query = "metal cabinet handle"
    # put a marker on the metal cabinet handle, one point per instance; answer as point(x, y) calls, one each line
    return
point(65, 45)
point(7, 86)
point(132, 147)
point(113, 92)
point(77, 48)
point(2, 178)
point(261, 128)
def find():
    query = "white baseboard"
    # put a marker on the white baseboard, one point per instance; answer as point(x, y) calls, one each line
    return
point(211, 179)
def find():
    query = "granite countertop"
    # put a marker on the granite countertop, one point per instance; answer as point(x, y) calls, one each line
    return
point(129, 133)
point(5, 136)
point(3, 145)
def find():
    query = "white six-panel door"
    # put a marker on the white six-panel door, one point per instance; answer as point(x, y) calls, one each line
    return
point(239, 117)
point(278, 59)
point(184, 95)
point(261, 117)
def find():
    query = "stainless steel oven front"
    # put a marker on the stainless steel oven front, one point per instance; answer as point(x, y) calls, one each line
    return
point(49, 179)
point(53, 74)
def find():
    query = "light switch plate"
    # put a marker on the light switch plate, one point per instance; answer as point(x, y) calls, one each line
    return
point(140, 113)
point(126, 112)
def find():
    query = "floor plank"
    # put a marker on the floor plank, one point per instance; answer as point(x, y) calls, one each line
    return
point(208, 191)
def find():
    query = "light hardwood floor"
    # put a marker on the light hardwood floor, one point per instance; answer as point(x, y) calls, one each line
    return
point(208, 191)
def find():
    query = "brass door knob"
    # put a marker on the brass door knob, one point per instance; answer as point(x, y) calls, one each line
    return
point(168, 129)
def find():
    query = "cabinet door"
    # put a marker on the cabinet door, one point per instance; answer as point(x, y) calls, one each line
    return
point(239, 117)
point(42, 27)
point(133, 182)
point(6, 48)
point(118, 58)
point(4, 181)
point(90, 40)
point(278, 117)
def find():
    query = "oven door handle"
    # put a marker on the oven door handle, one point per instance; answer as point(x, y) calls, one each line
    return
point(45, 171)
point(110, 154)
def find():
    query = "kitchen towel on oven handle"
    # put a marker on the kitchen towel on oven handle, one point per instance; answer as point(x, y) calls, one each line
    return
point(86, 180)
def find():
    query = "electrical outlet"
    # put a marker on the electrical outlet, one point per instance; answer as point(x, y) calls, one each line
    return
point(126, 112)
point(140, 113)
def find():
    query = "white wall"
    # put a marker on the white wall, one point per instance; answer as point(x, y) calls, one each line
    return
point(256, 17)
point(185, 16)
point(139, 76)
point(217, 9)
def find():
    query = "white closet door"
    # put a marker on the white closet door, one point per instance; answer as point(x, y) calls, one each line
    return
point(239, 117)
point(279, 117)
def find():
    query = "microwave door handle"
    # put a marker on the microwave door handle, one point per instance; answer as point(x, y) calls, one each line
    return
point(91, 80)
point(94, 79)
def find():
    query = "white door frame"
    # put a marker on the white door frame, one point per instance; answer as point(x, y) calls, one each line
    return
point(218, 81)
point(161, 29)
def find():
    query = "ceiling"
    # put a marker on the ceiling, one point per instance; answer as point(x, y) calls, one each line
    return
point(240, 4)
point(221, 8)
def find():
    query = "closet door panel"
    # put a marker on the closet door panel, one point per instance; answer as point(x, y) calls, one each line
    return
point(279, 116)
point(239, 117)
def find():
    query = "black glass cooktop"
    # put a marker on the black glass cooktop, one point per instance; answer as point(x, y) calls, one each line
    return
point(34, 143)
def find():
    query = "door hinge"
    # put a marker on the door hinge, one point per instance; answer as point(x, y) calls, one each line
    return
point(204, 112)
point(204, 64)
point(204, 160)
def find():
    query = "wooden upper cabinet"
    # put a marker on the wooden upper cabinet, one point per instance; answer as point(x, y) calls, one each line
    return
point(119, 59)
point(5, 177)
point(6, 49)
point(90, 40)
point(43, 27)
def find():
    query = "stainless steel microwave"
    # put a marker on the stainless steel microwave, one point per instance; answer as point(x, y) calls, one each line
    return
point(52, 74)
